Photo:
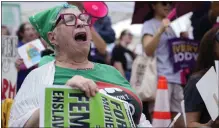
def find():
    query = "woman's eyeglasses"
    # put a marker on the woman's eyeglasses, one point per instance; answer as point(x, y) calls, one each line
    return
point(71, 20)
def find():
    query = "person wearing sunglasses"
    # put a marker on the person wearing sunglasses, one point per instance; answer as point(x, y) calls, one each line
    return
point(67, 30)
point(155, 35)
point(196, 112)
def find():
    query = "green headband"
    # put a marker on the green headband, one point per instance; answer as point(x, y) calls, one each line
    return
point(44, 21)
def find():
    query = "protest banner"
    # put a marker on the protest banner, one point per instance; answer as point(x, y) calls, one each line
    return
point(31, 52)
point(183, 53)
point(62, 106)
point(9, 71)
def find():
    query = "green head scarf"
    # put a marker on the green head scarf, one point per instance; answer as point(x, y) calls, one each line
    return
point(44, 21)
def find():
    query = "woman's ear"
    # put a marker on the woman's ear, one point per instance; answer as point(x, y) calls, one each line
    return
point(51, 37)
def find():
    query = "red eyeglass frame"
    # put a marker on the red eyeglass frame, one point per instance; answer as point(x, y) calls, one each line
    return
point(61, 17)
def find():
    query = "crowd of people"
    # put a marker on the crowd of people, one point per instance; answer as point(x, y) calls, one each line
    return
point(83, 60)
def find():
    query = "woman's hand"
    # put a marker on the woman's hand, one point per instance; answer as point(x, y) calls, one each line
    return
point(84, 84)
point(210, 122)
point(184, 35)
point(18, 62)
point(165, 24)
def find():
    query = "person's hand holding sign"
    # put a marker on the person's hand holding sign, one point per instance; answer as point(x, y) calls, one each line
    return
point(84, 84)
point(165, 25)
point(18, 63)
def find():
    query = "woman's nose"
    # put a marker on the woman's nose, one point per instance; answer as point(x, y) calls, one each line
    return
point(80, 24)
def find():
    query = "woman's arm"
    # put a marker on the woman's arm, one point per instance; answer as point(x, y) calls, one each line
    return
point(34, 120)
point(150, 42)
point(193, 119)
point(100, 44)
point(118, 66)
point(25, 103)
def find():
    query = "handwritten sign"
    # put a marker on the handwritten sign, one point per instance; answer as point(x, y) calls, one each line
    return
point(31, 52)
point(9, 71)
point(66, 107)
point(183, 53)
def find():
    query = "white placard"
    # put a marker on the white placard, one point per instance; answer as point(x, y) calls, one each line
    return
point(208, 89)
point(181, 24)
point(9, 72)
point(31, 52)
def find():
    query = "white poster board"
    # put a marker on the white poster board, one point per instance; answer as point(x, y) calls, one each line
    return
point(9, 71)
point(182, 24)
point(31, 52)
point(208, 89)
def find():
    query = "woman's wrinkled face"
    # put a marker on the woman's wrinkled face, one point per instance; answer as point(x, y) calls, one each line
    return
point(162, 8)
point(71, 39)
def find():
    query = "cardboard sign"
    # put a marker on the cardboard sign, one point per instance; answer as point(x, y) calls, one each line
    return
point(183, 53)
point(9, 71)
point(31, 52)
point(62, 106)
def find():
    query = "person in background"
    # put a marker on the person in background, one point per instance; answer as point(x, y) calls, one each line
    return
point(196, 112)
point(104, 28)
point(5, 31)
point(204, 19)
point(156, 32)
point(122, 57)
point(25, 33)
point(98, 47)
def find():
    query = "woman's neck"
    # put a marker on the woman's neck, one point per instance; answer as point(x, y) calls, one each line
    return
point(73, 62)
point(158, 17)
point(24, 41)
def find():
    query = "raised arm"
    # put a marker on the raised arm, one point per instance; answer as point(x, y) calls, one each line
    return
point(150, 41)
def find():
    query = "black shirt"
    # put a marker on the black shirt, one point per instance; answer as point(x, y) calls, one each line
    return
point(123, 55)
point(194, 101)
point(201, 26)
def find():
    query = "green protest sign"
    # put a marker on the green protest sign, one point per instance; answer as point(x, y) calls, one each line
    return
point(66, 107)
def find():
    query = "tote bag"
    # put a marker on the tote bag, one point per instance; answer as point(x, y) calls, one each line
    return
point(144, 77)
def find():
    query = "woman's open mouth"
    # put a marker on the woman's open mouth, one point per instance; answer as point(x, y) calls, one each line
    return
point(81, 36)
